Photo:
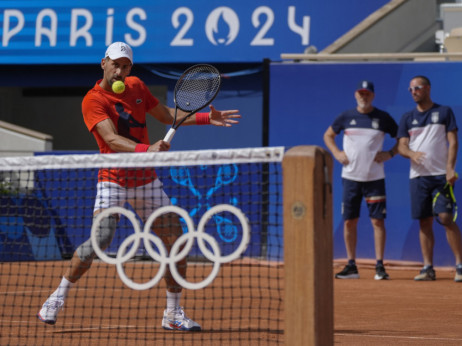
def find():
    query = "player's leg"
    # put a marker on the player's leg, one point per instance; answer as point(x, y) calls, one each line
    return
point(168, 228)
point(427, 240)
point(421, 209)
point(375, 195)
point(84, 255)
point(82, 258)
point(145, 200)
point(455, 242)
point(443, 206)
point(350, 237)
point(380, 236)
point(351, 204)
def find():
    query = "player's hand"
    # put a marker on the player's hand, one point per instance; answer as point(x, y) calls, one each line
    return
point(342, 158)
point(451, 176)
point(224, 118)
point(417, 157)
point(159, 146)
point(382, 156)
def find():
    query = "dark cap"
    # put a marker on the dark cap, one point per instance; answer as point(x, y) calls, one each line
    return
point(365, 86)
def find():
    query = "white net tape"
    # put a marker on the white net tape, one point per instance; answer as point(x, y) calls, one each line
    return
point(134, 160)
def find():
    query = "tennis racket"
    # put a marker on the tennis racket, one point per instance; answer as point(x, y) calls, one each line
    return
point(195, 89)
point(448, 192)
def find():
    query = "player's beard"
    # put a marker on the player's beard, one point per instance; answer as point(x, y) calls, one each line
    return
point(417, 99)
point(363, 105)
point(116, 78)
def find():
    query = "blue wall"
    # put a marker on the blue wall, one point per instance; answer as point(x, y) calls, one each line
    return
point(165, 31)
point(305, 99)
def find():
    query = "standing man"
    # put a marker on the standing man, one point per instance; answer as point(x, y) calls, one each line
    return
point(118, 123)
point(363, 172)
point(428, 137)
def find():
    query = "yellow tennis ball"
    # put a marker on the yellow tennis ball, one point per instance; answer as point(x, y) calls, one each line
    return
point(118, 87)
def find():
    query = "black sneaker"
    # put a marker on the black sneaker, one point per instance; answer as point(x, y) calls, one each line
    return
point(380, 273)
point(349, 272)
point(426, 274)
point(458, 277)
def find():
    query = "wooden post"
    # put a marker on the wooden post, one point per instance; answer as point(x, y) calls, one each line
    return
point(308, 247)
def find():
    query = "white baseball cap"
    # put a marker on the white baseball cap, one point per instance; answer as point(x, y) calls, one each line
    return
point(119, 50)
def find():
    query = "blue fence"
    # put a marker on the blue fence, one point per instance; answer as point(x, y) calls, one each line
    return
point(305, 99)
point(52, 219)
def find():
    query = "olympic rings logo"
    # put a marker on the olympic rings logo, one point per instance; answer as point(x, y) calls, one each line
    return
point(162, 257)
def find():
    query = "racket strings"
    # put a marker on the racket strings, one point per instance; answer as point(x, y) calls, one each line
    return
point(197, 88)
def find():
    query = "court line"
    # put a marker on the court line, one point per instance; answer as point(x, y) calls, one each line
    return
point(48, 291)
point(67, 328)
point(83, 329)
point(69, 323)
point(22, 292)
point(398, 337)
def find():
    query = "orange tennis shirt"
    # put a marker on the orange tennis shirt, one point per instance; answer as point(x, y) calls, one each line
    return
point(128, 113)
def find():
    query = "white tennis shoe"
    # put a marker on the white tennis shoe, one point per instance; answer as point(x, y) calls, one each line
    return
point(177, 320)
point(50, 309)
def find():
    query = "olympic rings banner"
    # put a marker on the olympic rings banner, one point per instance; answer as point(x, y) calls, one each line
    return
point(76, 32)
point(177, 253)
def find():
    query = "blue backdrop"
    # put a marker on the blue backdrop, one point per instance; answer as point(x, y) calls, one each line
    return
point(49, 221)
point(73, 32)
point(305, 99)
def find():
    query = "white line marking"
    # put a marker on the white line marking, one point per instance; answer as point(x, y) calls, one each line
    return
point(397, 337)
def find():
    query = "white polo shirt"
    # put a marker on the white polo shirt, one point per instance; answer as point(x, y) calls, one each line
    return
point(363, 138)
point(427, 133)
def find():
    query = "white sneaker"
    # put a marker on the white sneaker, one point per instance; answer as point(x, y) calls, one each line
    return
point(177, 320)
point(50, 309)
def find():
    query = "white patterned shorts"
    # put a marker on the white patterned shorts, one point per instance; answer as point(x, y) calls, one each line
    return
point(144, 199)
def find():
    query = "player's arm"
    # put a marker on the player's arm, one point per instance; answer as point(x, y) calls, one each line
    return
point(383, 156)
point(393, 151)
point(392, 129)
point(403, 148)
point(329, 140)
point(453, 147)
point(165, 115)
point(117, 143)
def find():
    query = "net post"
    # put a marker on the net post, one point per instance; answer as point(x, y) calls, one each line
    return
point(308, 247)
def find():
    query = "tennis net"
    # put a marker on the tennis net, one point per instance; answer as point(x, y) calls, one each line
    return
point(228, 204)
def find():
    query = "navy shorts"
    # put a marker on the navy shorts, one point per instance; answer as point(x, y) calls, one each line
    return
point(372, 191)
point(423, 190)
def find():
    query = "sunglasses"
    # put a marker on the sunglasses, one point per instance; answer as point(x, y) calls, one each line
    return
point(418, 87)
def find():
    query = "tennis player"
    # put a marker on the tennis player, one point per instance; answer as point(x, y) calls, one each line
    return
point(428, 137)
point(118, 123)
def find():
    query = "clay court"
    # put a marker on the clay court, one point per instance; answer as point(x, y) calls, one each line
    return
point(399, 311)
point(367, 312)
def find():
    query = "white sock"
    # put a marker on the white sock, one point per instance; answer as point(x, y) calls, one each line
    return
point(63, 288)
point(173, 300)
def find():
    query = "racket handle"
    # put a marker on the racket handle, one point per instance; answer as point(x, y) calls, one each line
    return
point(169, 135)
